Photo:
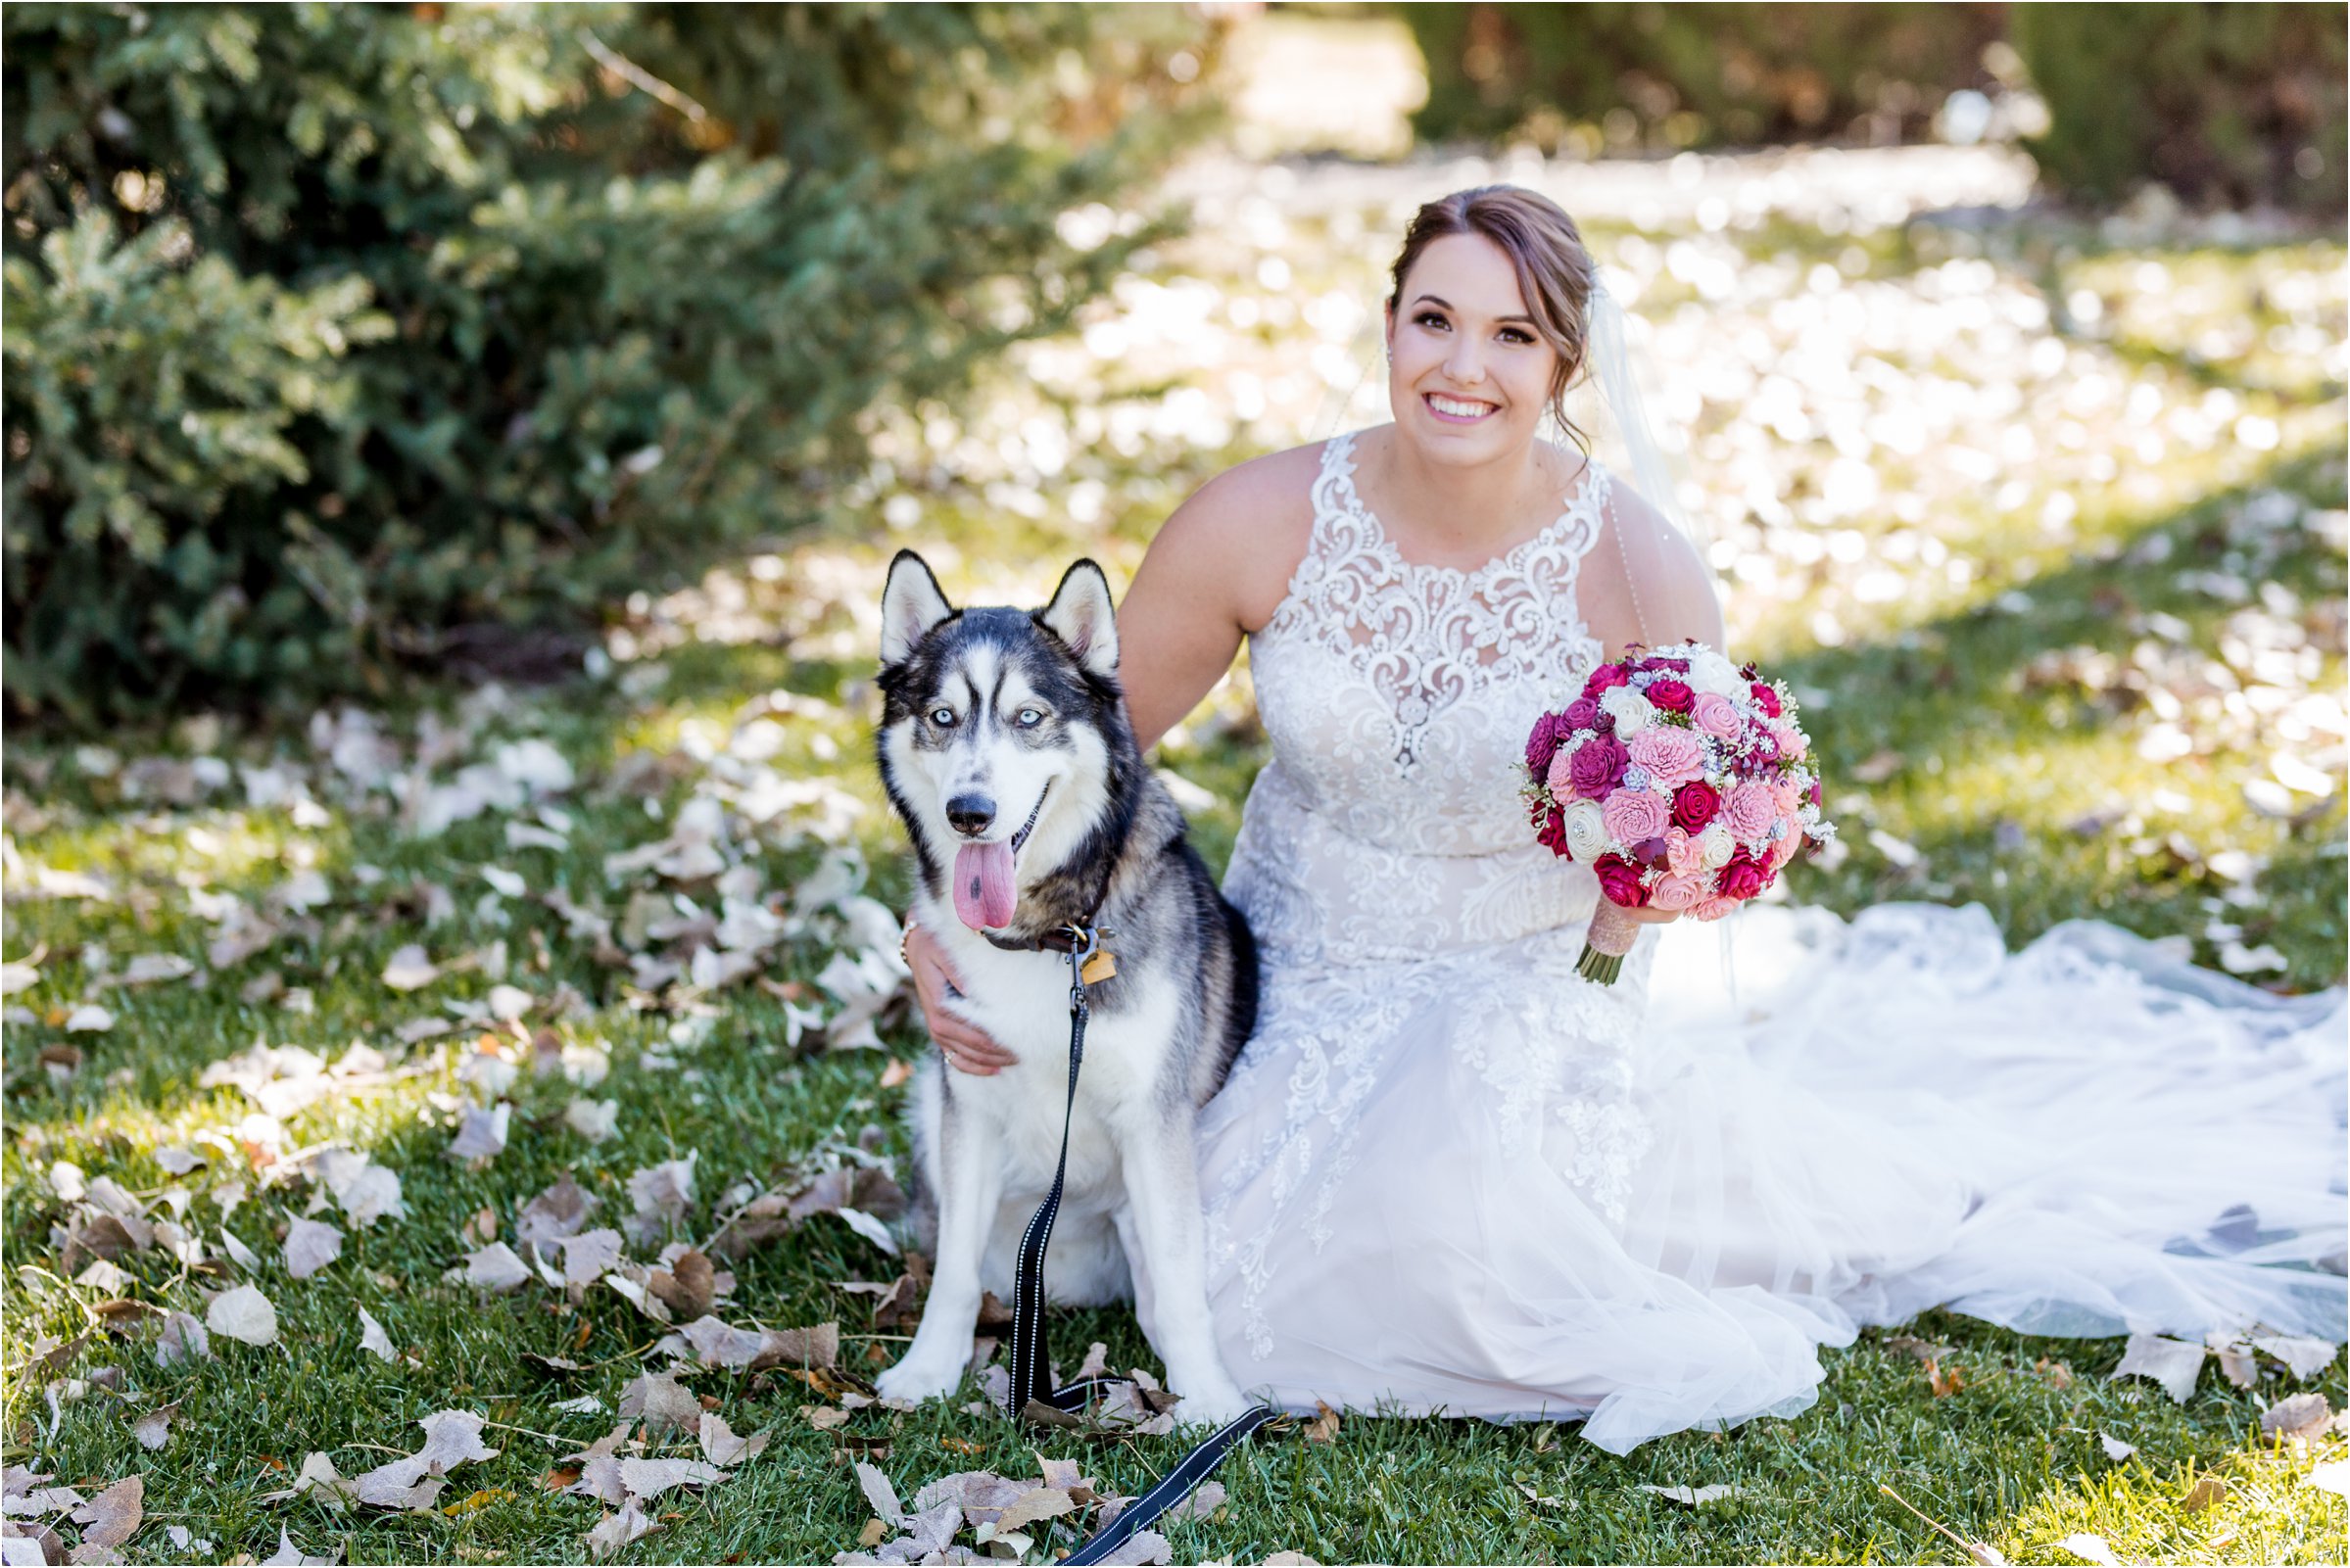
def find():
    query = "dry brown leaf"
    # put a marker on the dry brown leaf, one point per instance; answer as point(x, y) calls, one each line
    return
point(2203, 1494)
point(154, 1429)
point(661, 1404)
point(824, 1417)
point(1944, 1384)
point(619, 1529)
point(111, 1519)
point(1323, 1428)
point(2302, 1416)
point(497, 1269)
point(689, 1284)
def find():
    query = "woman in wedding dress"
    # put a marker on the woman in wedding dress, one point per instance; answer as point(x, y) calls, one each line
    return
point(1448, 1175)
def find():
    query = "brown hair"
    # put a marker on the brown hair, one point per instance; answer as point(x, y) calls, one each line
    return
point(1555, 270)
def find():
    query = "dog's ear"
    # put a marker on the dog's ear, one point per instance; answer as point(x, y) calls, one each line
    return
point(1081, 615)
point(911, 604)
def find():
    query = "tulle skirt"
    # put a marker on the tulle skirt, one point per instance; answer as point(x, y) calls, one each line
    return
point(1476, 1184)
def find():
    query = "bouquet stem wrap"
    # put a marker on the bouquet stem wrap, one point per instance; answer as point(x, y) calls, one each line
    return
point(1611, 935)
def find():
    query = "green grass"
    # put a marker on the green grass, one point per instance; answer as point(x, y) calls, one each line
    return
point(1935, 728)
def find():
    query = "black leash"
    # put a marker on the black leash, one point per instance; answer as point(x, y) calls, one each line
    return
point(1030, 1377)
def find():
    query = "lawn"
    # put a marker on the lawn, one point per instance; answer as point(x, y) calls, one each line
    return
point(2044, 515)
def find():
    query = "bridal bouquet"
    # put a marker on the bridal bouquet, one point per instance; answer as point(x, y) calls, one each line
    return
point(1681, 780)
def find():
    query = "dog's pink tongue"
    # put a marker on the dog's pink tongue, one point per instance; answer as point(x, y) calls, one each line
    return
point(983, 892)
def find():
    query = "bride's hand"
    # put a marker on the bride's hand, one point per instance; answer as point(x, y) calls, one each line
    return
point(964, 1044)
point(1647, 915)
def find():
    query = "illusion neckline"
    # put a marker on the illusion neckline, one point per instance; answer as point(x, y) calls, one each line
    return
point(1338, 457)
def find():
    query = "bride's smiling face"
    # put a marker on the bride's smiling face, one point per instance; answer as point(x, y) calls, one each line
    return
point(1467, 374)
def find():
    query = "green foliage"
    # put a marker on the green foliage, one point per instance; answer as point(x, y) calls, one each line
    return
point(1680, 76)
point(2232, 104)
point(338, 336)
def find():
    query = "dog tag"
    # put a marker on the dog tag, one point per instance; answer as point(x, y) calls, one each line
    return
point(1099, 966)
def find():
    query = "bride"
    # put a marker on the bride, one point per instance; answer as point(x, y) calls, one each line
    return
point(1448, 1175)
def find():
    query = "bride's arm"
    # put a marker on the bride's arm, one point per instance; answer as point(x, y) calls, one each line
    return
point(1645, 583)
point(1216, 571)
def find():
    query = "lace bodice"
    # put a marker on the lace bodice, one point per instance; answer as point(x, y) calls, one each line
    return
point(1398, 697)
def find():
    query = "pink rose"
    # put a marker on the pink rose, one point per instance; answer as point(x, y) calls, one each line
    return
point(1591, 769)
point(1601, 678)
point(1683, 854)
point(1673, 757)
point(1712, 908)
point(1767, 698)
point(1716, 715)
point(1632, 815)
point(1676, 891)
point(1749, 811)
point(1785, 849)
point(1784, 798)
point(1790, 739)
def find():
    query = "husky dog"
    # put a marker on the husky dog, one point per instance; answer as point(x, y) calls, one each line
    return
point(1005, 748)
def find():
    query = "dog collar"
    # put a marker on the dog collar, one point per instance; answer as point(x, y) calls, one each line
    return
point(1067, 937)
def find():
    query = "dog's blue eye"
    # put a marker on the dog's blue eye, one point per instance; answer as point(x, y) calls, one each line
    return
point(1030, 718)
point(943, 716)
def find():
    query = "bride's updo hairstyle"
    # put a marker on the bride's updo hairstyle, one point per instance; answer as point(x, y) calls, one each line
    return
point(1555, 271)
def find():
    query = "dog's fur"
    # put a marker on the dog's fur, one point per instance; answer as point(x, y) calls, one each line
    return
point(1107, 840)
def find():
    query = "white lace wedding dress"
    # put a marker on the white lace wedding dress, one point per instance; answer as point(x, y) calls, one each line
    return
point(1450, 1176)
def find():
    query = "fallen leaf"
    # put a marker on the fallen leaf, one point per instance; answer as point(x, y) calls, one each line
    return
point(289, 1555)
point(497, 1269)
point(183, 1339)
point(881, 1495)
point(689, 1284)
point(372, 1338)
point(474, 1502)
point(2090, 1549)
point(619, 1529)
point(244, 1314)
point(1694, 1496)
point(588, 1255)
point(824, 1417)
point(1141, 1547)
point(410, 970)
point(2114, 1448)
point(1041, 1502)
point(2333, 1476)
point(1944, 1384)
point(1202, 1504)
point(657, 1399)
point(2206, 1492)
point(816, 1348)
point(89, 1019)
point(112, 1517)
point(2172, 1363)
point(481, 1135)
point(2058, 1373)
point(310, 1247)
point(2304, 1358)
point(154, 1429)
point(661, 1195)
point(1323, 1428)
point(592, 1120)
point(721, 1447)
point(2302, 1416)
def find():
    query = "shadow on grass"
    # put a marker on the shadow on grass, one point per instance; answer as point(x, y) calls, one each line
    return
point(2004, 782)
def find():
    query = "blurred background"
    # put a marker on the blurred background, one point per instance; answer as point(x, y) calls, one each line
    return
point(356, 356)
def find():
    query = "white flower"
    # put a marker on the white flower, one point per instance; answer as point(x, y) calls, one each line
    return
point(1631, 711)
point(1717, 845)
point(1708, 671)
point(1585, 832)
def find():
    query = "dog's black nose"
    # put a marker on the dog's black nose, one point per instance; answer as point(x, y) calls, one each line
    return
point(969, 814)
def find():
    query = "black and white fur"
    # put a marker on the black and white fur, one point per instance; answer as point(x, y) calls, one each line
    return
point(1004, 712)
